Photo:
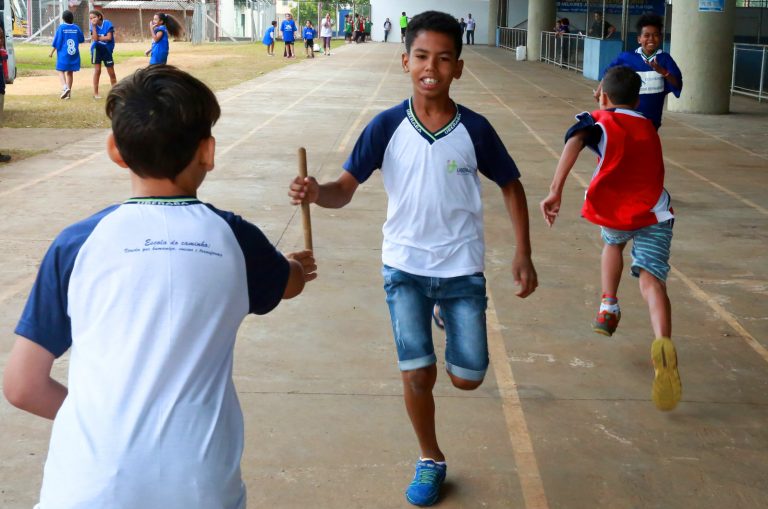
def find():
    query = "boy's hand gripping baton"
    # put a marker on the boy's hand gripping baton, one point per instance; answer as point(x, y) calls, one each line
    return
point(306, 221)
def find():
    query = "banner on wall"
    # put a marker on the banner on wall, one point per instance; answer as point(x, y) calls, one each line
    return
point(711, 5)
point(635, 6)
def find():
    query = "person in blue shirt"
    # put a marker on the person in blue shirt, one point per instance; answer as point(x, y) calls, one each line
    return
point(161, 27)
point(308, 34)
point(288, 28)
point(66, 44)
point(102, 46)
point(269, 39)
point(658, 71)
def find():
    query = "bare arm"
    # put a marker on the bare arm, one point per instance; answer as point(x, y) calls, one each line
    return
point(27, 382)
point(550, 206)
point(522, 266)
point(671, 78)
point(303, 269)
point(331, 195)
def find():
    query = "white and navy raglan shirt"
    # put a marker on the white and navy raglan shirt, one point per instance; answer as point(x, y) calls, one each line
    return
point(147, 296)
point(434, 223)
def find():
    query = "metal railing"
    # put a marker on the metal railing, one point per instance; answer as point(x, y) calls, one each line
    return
point(564, 50)
point(750, 70)
point(511, 38)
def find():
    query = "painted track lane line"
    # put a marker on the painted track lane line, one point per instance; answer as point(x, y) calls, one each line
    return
point(52, 174)
point(353, 128)
point(534, 496)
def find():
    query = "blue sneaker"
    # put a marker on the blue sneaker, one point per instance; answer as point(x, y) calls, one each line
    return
point(425, 487)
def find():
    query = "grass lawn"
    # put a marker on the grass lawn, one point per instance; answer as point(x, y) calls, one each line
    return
point(219, 65)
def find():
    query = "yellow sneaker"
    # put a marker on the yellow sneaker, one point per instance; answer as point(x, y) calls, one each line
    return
point(667, 387)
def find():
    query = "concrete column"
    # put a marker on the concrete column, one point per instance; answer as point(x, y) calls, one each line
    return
point(702, 46)
point(541, 17)
point(493, 14)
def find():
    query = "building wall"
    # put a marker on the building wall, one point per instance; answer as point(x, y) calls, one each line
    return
point(129, 27)
point(383, 9)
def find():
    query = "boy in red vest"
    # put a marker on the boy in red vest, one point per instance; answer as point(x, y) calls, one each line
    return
point(627, 199)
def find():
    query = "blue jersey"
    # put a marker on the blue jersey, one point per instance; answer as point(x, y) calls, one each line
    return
point(269, 36)
point(654, 87)
point(105, 28)
point(67, 43)
point(159, 54)
point(309, 33)
point(288, 27)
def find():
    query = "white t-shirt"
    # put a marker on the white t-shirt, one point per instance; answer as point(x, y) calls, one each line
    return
point(434, 221)
point(326, 28)
point(147, 296)
point(470, 24)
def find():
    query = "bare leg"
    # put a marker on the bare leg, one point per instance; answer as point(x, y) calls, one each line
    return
point(62, 78)
point(112, 76)
point(420, 403)
point(70, 78)
point(611, 267)
point(96, 77)
point(654, 292)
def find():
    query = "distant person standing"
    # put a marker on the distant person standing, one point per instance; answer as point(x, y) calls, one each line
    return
point(403, 26)
point(4, 158)
point(470, 30)
point(269, 39)
point(66, 44)
point(463, 25)
point(326, 33)
point(601, 28)
point(387, 29)
point(288, 28)
point(102, 47)
point(368, 27)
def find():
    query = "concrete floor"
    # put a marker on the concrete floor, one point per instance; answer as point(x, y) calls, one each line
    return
point(564, 419)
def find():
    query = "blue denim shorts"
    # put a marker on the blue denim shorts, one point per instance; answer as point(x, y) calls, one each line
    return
point(650, 247)
point(462, 302)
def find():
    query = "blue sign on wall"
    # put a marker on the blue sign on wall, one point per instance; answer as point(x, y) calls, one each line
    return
point(711, 5)
point(635, 6)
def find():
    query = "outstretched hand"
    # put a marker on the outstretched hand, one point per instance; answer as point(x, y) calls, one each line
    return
point(550, 207)
point(524, 275)
point(656, 67)
point(307, 261)
point(303, 190)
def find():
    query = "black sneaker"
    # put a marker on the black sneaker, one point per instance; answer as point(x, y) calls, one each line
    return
point(4, 158)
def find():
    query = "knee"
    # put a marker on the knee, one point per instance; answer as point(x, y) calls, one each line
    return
point(464, 384)
point(419, 381)
point(650, 284)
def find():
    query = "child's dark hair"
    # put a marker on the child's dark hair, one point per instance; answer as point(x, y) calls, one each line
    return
point(653, 20)
point(622, 85)
point(274, 23)
point(433, 21)
point(96, 13)
point(68, 17)
point(173, 26)
point(160, 115)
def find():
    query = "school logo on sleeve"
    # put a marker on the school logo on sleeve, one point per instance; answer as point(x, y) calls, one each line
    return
point(453, 167)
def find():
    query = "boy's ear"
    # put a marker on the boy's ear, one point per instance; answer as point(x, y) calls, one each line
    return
point(459, 69)
point(603, 99)
point(404, 62)
point(206, 153)
point(113, 152)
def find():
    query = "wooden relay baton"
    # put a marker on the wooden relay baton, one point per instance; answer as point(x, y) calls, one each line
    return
point(306, 221)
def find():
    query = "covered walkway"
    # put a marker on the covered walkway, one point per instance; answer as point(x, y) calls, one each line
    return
point(564, 419)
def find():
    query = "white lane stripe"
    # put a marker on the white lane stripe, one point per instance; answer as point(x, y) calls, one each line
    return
point(50, 175)
point(697, 291)
point(353, 128)
point(534, 496)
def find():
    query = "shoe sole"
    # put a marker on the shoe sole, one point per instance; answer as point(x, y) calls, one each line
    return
point(667, 388)
point(428, 503)
point(601, 331)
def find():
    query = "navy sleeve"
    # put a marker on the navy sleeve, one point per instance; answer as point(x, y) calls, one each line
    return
point(45, 319)
point(267, 270)
point(368, 153)
point(493, 159)
point(585, 122)
point(671, 66)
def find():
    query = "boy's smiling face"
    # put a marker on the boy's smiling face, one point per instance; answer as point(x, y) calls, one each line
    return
point(433, 64)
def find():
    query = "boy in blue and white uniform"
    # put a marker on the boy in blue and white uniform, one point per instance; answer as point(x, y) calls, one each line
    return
point(147, 296)
point(658, 71)
point(102, 47)
point(288, 28)
point(431, 153)
point(66, 44)
point(269, 39)
point(308, 34)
